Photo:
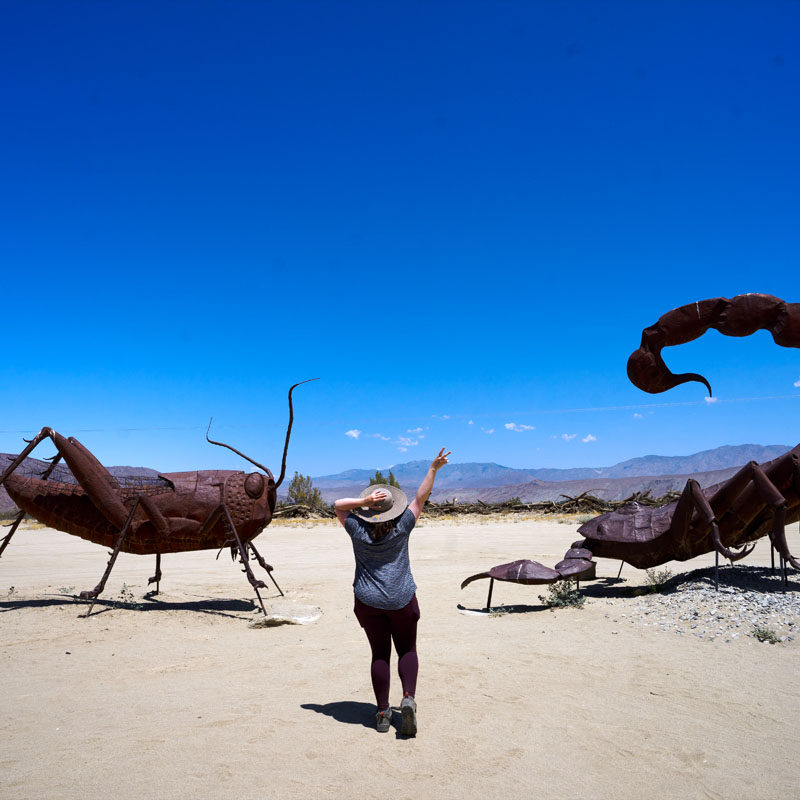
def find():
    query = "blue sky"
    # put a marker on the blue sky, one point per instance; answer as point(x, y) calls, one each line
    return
point(458, 215)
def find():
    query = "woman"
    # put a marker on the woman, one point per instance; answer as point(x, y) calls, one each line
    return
point(379, 524)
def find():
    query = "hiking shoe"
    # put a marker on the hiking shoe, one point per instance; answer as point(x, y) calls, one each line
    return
point(384, 720)
point(408, 711)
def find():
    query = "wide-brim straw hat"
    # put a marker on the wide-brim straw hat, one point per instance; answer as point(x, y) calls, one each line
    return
point(391, 508)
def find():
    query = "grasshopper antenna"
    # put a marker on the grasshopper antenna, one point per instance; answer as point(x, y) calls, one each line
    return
point(285, 447)
point(238, 452)
point(289, 430)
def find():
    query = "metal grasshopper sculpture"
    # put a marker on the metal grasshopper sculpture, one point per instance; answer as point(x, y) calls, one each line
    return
point(728, 517)
point(172, 513)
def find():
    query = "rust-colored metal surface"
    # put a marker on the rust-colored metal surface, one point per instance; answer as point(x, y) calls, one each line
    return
point(759, 500)
point(738, 316)
point(147, 515)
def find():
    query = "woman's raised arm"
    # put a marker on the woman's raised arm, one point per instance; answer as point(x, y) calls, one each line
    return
point(425, 488)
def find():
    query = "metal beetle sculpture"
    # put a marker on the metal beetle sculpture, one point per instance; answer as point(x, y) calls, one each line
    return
point(172, 512)
point(728, 517)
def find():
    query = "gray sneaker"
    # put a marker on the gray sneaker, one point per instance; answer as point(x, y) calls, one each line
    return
point(408, 711)
point(384, 720)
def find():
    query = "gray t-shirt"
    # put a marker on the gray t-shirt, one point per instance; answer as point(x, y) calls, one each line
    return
point(383, 575)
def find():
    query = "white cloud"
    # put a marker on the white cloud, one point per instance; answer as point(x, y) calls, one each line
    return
point(797, 383)
point(711, 399)
point(402, 449)
point(513, 426)
point(472, 423)
point(637, 415)
point(414, 430)
point(488, 430)
point(589, 438)
point(443, 416)
point(567, 436)
point(355, 434)
point(407, 442)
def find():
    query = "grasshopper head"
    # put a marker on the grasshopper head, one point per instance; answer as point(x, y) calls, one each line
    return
point(261, 489)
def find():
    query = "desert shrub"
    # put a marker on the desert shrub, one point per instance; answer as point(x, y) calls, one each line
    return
point(389, 480)
point(302, 491)
point(657, 578)
point(764, 634)
point(563, 594)
point(512, 501)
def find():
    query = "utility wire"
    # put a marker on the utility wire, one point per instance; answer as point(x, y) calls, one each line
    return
point(416, 418)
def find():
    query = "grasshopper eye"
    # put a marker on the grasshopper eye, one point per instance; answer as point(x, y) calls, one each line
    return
point(254, 485)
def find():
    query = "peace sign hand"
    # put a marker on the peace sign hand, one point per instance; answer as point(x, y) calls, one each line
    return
point(440, 460)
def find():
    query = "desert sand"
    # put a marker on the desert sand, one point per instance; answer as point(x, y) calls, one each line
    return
point(181, 698)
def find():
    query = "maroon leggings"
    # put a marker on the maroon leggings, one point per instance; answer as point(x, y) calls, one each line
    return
point(381, 628)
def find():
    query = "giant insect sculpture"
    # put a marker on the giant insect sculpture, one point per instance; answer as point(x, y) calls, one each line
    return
point(728, 517)
point(172, 512)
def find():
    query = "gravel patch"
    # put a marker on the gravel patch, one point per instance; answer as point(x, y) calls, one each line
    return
point(749, 600)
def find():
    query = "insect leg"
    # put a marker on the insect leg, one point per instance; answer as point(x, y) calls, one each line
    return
point(264, 565)
point(43, 434)
point(693, 499)
point(94, 593)
point(157, 577)
point(771, 496)
point(162, 529)
point(254, 582)
point(15, 524)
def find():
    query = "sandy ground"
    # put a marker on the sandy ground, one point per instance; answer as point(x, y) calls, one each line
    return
point(180, 698)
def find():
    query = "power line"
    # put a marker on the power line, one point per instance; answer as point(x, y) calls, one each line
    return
point(416, 418)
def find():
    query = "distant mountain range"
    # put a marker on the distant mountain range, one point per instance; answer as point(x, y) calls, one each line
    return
point(494, 483)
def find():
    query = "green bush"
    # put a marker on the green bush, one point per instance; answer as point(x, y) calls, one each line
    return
point(302, 491)
point(387, 481)
point(657, 579)
point(563, 594)
point(763, 634)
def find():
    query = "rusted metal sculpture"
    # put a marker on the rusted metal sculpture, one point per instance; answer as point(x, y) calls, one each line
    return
point(759, 500)
point(172, 512)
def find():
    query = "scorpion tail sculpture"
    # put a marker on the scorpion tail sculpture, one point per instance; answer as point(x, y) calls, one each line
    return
point(740, 316)
point(759, 500)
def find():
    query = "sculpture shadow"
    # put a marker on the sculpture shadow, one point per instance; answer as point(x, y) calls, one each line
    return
point(735, 577)
point(215, 606)
point(349, 712)
point(496, 611)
